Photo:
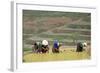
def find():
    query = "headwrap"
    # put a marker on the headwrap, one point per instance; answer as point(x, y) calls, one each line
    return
point(44, 42)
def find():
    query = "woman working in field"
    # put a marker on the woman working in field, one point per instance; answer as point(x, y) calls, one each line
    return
point(41, 47)
point(56, 46)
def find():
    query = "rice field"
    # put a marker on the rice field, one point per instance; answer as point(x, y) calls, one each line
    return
point(64, 55)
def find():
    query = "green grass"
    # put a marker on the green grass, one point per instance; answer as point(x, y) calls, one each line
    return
point(27, 49)
point(79, 26)
point(60, 37)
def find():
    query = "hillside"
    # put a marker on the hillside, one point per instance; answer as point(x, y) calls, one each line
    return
point(67, 27)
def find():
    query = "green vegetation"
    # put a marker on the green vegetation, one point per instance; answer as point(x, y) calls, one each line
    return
point(61, 37)
point(79, 26)
point(27, 49)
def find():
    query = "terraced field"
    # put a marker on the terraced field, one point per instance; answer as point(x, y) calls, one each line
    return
point(67, 27)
